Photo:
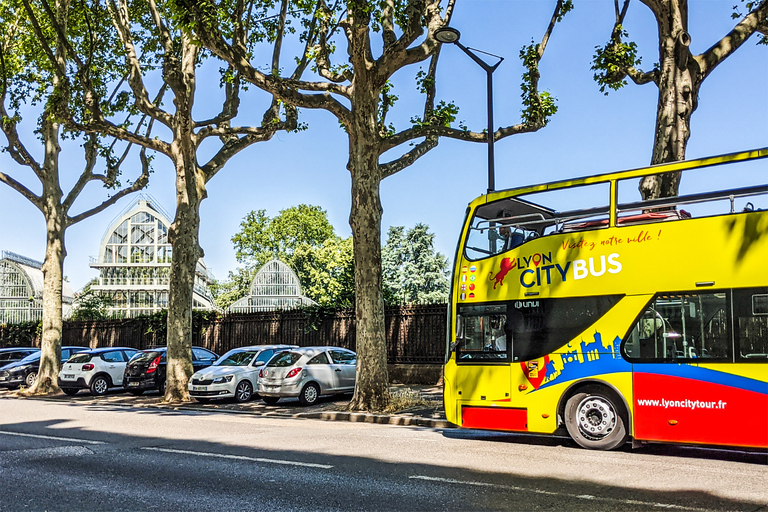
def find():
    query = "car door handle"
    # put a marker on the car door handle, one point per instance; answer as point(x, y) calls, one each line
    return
point(338, 369)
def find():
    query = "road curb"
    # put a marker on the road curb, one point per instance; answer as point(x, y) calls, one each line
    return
point(385, 419)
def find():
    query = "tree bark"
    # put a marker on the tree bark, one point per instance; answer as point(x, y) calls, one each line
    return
point(679, 82)
point(184, 232)
point(372, 382)
point(53, 265)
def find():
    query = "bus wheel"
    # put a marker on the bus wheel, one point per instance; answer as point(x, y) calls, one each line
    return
point(594, 422)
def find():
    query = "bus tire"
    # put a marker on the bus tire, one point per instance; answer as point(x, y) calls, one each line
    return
point(594, 421)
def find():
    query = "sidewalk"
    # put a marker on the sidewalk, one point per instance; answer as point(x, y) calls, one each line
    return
point(429, 413)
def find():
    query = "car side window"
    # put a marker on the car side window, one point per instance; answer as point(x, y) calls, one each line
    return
point(202, 355)
point(264, 356)
point(343, 357)
point(113, 357)
point(129, 354)
point(320, 358)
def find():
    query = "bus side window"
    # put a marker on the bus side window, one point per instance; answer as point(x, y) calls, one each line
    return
point(681, 326)
point(750, 311)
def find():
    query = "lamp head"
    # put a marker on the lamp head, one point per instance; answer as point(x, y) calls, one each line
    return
point(447, 35)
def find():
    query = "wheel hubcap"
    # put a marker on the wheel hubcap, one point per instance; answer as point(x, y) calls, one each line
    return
point(31, 378)
point(310, 394)
point(596, 417)
point(101, 386)
point(243, 393)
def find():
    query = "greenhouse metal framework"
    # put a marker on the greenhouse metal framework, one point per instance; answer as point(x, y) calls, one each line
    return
point(21, 290)
point(134, 263)
point(275, 286)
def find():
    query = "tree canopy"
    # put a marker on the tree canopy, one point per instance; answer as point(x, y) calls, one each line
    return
point(413, 271)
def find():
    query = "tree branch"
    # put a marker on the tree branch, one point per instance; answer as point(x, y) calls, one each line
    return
point(119, 15)
point(137, 185)
point(409, 158)
point(755, 21)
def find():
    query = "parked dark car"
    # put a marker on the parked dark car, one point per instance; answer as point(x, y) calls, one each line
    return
point(25, 370)
point(147, 370)
point(12, 354)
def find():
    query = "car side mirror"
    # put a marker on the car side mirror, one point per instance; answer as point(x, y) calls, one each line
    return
point(259, 363)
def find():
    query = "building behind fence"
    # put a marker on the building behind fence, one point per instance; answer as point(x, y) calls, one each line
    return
point(415, 334)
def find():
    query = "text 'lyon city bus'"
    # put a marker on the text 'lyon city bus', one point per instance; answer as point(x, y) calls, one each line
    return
point(577, 307)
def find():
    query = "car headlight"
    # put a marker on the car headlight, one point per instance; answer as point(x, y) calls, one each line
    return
point(222, 380)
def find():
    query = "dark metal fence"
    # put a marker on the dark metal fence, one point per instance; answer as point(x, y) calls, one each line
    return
point(415, 333)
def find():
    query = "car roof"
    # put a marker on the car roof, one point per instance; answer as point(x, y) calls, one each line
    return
point(317, 350)
point(8, 349)
point(106, 349)
point(266, 347)
point(163, 348)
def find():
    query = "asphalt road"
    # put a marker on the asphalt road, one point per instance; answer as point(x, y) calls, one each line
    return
point(69, 456)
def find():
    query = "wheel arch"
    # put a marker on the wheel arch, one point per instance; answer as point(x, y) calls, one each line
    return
point(102, 374)
point(593, 386)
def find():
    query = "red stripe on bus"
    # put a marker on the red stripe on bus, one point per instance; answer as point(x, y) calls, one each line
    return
point(495, 418)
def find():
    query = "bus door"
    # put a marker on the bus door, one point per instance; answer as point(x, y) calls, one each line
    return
point(483, 355)
point(674, 346)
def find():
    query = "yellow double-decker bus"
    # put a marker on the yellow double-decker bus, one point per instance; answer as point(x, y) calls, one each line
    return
point(577, 307)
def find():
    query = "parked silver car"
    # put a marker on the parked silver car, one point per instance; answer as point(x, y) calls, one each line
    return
point(234, 374)
point(308, 373)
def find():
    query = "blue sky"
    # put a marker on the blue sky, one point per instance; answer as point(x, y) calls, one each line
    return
point(590, 134)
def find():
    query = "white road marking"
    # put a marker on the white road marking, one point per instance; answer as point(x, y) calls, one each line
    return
point(239, 457)
point(563, 494)
point(52, 438)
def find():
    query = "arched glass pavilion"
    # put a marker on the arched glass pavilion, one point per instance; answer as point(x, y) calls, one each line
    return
point(134, 263)
point(21, 290)
point(275, 286)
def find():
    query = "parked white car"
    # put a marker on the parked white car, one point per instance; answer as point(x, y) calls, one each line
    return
point(308, 373)
point(98, 370)
point(234, 374)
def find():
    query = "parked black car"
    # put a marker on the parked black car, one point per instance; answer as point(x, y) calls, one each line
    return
point(147, 370)
point(25, 370)
point(12, 354)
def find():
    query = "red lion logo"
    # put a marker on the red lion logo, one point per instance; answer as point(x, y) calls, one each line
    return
point(506, 265)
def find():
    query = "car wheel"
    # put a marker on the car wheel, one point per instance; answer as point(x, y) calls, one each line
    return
point(30, 379)
point(70, 391)
point(99, 385)
point(270, 400)
point(136, 392)
point(594, 421)
point(309, 394)
point(243, 391)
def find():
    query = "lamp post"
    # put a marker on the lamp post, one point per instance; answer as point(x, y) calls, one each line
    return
point(451, 35)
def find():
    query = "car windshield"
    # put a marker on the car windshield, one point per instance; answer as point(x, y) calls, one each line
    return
point(236, 358)
point(31, 358)
point(284, 359)
point(80, 358)
point(145, 357)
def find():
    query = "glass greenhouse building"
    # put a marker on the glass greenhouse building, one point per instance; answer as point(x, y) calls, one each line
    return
point(134, 263)
point(21, 290)
point(275, 286)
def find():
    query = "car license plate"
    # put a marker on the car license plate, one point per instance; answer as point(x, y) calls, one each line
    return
point(133, 384)
point(67, 376)
point(3, 378)
point(199, 388)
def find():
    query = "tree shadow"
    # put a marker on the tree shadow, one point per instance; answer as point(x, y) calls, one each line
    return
point(101, 470)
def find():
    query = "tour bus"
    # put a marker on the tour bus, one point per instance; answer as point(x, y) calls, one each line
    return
point(578, 307)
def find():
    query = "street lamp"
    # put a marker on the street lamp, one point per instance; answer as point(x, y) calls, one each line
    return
point(451, 35)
